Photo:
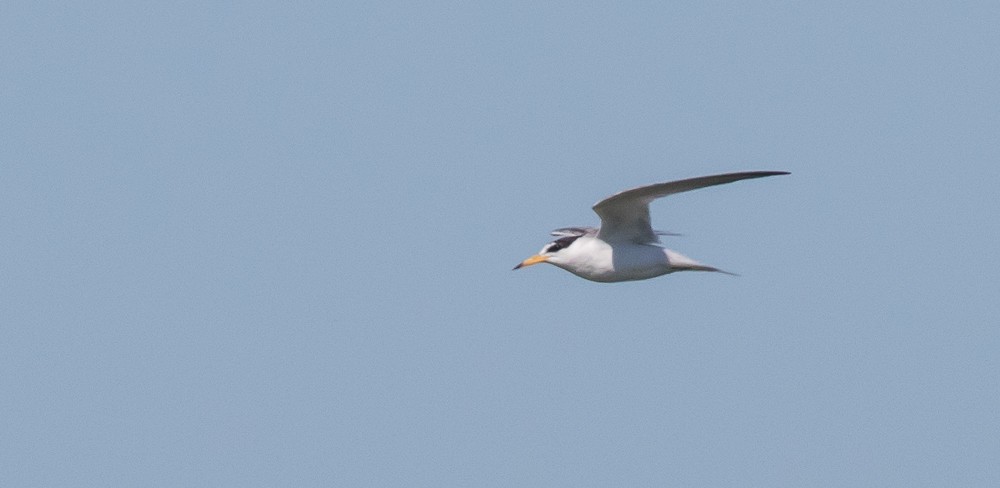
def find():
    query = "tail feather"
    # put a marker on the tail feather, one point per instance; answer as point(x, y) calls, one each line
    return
point(701, 267)
point(681, 262)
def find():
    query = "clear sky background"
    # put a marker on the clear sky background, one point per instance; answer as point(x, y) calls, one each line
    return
point(263, 244)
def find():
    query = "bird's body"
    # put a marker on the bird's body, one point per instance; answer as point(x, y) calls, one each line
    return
point(589, 258)
point(626, 247)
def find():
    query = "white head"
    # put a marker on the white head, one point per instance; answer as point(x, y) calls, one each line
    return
point(556, 252)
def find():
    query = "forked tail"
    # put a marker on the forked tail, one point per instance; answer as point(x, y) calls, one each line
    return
point(681, 262)
point(702, 267)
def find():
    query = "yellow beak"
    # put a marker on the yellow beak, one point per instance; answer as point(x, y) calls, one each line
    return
point(537, 258)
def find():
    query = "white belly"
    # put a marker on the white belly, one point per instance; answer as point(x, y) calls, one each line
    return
point(622, 262)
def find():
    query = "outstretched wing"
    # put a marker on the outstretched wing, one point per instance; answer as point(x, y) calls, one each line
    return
point(625, 215)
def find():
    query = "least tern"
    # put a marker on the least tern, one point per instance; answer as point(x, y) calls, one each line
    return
point(625, 247)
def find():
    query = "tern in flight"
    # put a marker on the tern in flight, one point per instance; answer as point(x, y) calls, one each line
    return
point(626, 247)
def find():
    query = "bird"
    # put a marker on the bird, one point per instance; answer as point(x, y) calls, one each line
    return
point(626, 247)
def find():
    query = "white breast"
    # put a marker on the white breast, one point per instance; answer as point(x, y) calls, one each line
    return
point(597, 260)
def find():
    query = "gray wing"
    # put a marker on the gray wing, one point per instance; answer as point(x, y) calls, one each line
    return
point(592, 231)
point(575, 232)
point(625, 215)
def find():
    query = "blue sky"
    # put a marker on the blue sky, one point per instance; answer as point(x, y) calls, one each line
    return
point(248, 244)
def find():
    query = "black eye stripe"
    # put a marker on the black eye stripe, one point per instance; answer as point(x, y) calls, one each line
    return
point(561, 243)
